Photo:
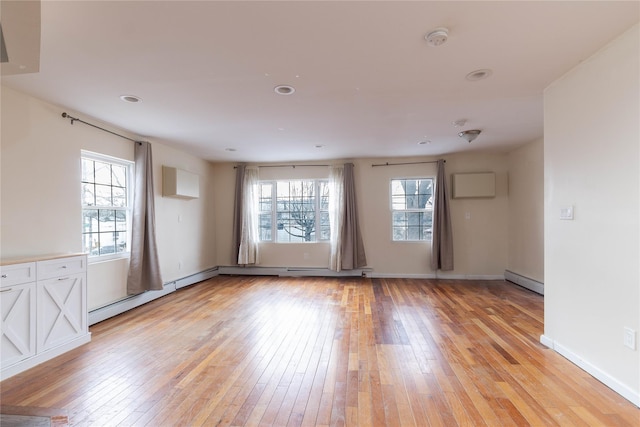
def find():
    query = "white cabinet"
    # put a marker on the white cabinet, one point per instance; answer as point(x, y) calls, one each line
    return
point(44, 310)
point(18, 308)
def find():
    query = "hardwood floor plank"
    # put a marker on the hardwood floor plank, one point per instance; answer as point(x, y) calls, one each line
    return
point(276, 351)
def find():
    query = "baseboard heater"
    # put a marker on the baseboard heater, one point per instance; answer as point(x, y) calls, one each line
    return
point(525, 282)
point(128, 303)
point(292, 271)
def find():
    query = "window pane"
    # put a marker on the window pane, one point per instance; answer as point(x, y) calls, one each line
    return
point(107, 219)
point(88, 195)
point(87, 170)
point(89, 242)
point(103, 195)
point(121, 221)
point(107, 244)
point(119, 197)
point(265, 227)
point(118, 176)
point(325, 229)
point(103, 173)
point(90, 221)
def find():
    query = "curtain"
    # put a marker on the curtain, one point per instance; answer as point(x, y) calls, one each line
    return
point(249, 234)
point(237, 210)
point(442, 237)
point(347, 248)
point(336, 215)
point(144, 268)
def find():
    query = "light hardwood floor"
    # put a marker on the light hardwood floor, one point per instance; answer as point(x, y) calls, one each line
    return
point(320, 351)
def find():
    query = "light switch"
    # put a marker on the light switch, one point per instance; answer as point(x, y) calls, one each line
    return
point(566, 212)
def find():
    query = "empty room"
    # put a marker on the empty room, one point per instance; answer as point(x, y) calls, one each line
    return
point(320, 213)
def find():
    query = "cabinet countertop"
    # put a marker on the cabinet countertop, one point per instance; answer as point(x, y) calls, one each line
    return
point(21, 260)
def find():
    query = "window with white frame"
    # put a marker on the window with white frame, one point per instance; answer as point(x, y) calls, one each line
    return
point(411, 209)
point(294, 211)
point(106, 205)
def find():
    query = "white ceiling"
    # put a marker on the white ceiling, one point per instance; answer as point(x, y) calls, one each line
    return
point(367, 84)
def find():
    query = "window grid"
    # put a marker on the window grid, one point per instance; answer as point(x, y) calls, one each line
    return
point(105, 205)
point(412, 209)
point(300, 212)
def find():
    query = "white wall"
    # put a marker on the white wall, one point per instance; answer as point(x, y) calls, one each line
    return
point(40, 195)
point(480, 242)
point(526, 211)
point(591, 156)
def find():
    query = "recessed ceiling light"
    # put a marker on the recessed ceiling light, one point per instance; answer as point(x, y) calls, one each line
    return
point(319, 146)
point(230, 149)
point(479, 74)
point(458, 123)
point(284, 89)
point(425, 142)
point(130, 98)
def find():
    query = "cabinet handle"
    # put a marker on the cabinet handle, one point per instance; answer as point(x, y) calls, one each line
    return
point(63, 278)
point(6, 290)
point(4, 276)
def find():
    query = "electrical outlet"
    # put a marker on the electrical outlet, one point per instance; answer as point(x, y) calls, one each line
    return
point(630, 338)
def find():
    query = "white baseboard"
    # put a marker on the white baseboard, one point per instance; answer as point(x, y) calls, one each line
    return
point(119, 307)
point(623, 390)
point(525, 282)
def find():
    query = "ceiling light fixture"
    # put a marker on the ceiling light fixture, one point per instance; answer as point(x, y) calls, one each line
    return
point(284, 89)
point(130, 98)
point(469, 135)
point(479, 74)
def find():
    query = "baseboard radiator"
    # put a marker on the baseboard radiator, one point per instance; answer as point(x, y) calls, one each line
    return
point(128, 303)
point(292, 271)
point(525, 282)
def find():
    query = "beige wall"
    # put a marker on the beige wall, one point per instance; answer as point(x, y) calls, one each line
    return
point(40, 195)
point(480, 241)
point(526, 211)
point(591, 158)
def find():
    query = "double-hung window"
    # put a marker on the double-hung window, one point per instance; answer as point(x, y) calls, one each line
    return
point(411, 209)
point(106, 205)
point(294, 211)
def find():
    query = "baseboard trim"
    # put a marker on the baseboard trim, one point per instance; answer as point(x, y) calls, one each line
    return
point(233, 270)
point(525, 282)
point(623, 390)
point(129, 303)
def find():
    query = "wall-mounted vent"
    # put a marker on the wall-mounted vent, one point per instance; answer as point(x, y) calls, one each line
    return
point(180, 183)
point(469, 185)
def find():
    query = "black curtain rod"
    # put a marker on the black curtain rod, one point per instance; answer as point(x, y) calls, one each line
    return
point(408, 163)
point(75, 119)
point(288, 166)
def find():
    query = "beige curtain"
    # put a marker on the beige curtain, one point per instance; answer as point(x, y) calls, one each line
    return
point(442, 236)
point(349, 246)
point(144, 267)
point(249, 233)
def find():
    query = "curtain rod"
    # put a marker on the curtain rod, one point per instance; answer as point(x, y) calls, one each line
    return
point(75, 119)
point(288, 166)
point(408, 163)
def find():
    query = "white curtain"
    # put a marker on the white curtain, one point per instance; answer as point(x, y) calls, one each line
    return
point(336, 215)
point(144, 267)
point(249, 234)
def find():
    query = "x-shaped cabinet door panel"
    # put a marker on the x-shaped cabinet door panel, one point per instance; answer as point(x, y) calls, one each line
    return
point(62, 304)
point(18, 323)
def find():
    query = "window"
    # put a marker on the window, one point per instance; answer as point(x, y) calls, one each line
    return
point(106, 212)
point(294, 211)
point(412, 209)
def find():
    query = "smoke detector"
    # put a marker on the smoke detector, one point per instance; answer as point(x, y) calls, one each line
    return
point(469, 135)
point(437, 37)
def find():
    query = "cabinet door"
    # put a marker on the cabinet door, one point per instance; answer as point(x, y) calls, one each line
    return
point(62, 310)
point(18, 310)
